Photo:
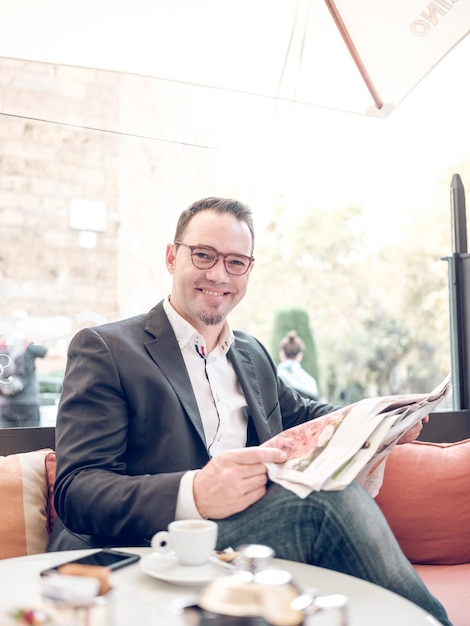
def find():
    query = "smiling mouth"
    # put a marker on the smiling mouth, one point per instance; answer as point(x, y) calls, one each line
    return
point(213, 293)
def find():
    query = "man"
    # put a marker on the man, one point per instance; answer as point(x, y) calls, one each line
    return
point(161, 414)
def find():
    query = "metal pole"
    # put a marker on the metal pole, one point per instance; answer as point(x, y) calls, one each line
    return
point(465, 331)
point(458, 215)
point(459, 284)
point(454, 336)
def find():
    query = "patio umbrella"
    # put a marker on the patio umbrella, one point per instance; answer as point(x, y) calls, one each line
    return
point(363, 56)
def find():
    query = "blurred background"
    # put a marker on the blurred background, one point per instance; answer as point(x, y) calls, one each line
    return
point(352, 215)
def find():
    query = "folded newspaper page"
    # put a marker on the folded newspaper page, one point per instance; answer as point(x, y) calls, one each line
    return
point(351, 443)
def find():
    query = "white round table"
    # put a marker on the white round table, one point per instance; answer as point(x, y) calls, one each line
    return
point(141, 600)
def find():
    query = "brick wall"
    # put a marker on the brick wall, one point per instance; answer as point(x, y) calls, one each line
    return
point(143, 164)
point(43, 167)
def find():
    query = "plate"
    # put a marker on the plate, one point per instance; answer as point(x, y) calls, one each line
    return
point(166, 567)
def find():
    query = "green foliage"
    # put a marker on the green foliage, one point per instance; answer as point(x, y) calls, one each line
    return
point(295, 319)
point(378, 298)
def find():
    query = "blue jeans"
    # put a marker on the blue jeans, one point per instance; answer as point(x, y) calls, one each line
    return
point(339, 530)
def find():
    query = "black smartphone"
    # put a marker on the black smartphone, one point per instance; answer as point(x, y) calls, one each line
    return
point(112, 559)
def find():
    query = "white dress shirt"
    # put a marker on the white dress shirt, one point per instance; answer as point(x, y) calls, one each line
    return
point(220, 399)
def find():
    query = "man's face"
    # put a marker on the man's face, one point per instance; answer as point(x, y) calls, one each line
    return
point(205, 297)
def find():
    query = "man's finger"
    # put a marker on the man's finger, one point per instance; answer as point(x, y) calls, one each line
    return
point(249, 456)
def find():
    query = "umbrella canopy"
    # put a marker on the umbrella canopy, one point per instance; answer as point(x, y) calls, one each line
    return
point(363, 56)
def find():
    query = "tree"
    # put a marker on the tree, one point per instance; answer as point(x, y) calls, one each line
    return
point(379, 305)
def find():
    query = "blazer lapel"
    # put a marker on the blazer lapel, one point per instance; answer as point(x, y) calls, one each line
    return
point(165, 351)
point(246, 373)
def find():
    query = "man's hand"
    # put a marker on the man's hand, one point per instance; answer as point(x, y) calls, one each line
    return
point(233, 480)
point(414, 431)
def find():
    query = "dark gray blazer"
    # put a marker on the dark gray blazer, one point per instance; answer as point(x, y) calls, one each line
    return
point(128, 424)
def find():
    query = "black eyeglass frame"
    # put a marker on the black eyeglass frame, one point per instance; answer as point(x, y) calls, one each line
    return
point(217, 255)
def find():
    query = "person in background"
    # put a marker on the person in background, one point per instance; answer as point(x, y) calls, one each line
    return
point(162, 415)
point(290, 368)
point(4, 363)
point(21, 408)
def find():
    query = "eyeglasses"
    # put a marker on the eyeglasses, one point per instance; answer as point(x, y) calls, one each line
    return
point(205, 257)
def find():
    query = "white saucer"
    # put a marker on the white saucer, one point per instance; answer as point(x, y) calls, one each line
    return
point(166, 567)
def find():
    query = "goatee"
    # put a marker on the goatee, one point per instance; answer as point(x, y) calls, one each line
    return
point(211, 319)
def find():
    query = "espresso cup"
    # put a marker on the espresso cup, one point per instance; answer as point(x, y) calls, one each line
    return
point(192, 541)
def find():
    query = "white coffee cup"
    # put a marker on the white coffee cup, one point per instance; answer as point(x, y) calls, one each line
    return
point(192, 540)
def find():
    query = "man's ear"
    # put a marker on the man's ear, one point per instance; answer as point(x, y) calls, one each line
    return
point(171, 257)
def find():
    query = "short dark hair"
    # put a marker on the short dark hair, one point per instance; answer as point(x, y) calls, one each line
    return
point(220, 205)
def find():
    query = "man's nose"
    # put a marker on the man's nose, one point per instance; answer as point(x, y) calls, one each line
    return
point(218, 269)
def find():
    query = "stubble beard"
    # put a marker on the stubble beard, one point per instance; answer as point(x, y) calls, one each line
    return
point(212, 315)
point(211, 319)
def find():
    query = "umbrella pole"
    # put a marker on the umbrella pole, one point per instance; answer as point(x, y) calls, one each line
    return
point(459, 298)
point(341, 26)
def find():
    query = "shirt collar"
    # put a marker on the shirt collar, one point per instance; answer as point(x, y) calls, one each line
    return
point(186, 334)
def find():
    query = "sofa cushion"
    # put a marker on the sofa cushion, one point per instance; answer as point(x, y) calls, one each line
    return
point(425, 498)
point(450, 585)
point(24, 491)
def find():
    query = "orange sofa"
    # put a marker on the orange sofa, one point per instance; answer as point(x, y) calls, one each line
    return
point(425, 497)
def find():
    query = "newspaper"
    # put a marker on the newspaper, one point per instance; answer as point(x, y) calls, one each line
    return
point(351, 443)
